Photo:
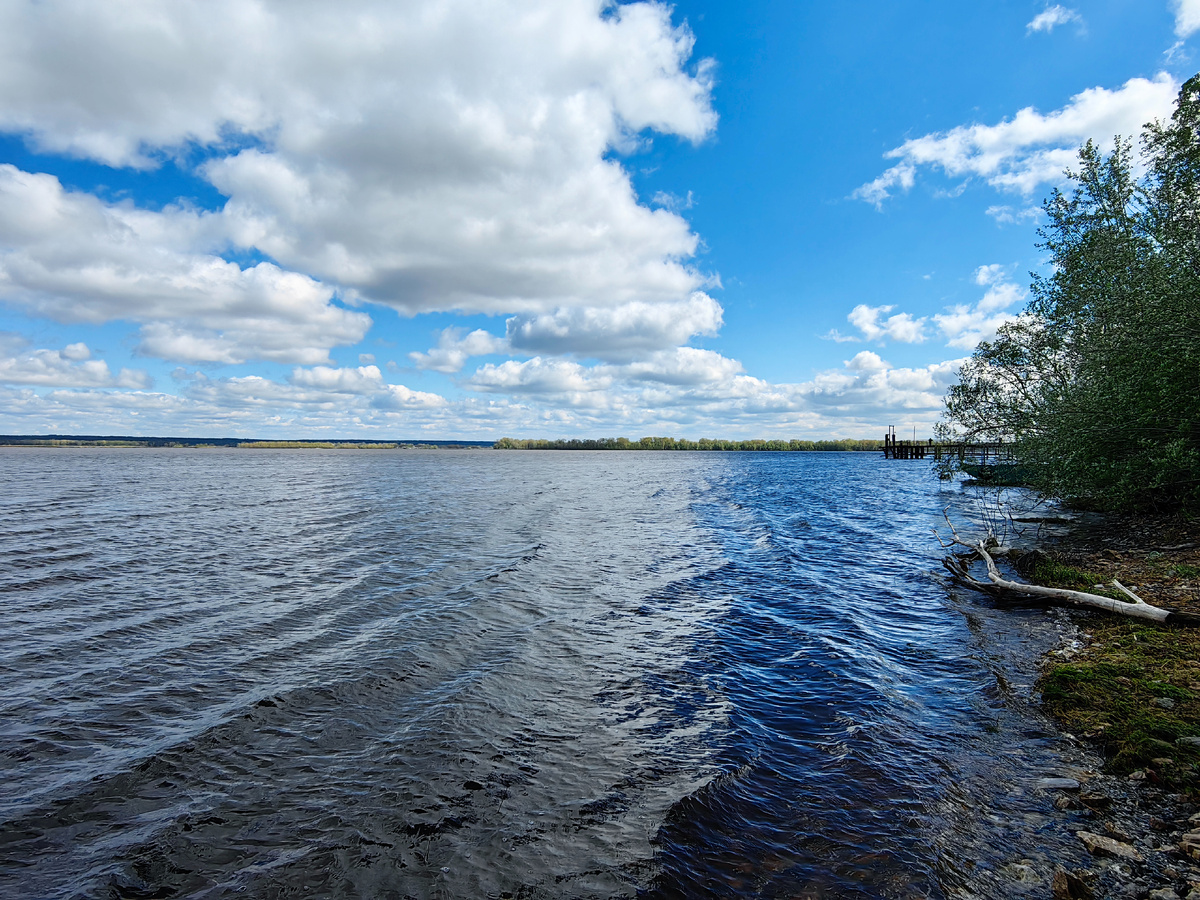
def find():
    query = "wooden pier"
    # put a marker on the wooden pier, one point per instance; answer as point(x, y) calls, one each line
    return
point(984, 453)
point(895, 449)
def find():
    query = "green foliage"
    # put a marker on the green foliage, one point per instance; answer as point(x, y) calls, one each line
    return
point(668, 443)
point(1099, 381)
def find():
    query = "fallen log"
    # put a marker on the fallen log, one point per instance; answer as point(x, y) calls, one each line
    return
point(997, 585)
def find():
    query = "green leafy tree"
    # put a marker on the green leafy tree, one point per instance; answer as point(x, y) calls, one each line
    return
point(1099, 380)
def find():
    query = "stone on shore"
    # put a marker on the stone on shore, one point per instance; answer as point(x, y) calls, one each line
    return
point(1069, 887)
point(1100, 845)
point(1190, 844)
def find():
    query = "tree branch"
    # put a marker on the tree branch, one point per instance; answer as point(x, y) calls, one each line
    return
point(959, 567)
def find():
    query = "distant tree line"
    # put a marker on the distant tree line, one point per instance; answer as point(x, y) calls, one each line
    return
point(61, 442)
point(54, 440)
point(323, 445)
point(1098, 382)
point(669, 443)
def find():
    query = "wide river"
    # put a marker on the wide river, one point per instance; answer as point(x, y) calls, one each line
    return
point(470, 674)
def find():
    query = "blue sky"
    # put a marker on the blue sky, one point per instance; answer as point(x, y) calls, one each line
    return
point(558, 218)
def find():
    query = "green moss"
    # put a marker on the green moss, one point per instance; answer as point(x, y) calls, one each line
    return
point(1051, 572)
point(1109, 695)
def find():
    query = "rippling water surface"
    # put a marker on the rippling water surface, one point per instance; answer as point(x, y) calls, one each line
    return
point(504, 674)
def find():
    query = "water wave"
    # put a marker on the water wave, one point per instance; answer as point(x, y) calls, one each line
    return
point(479, 674)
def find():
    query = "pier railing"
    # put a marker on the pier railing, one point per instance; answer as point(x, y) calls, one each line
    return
point(976, 453)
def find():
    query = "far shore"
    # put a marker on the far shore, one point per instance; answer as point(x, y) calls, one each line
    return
point(614, 444)
point(67, 441)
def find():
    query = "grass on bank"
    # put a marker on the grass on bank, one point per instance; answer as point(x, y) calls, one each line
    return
point(1135, 690)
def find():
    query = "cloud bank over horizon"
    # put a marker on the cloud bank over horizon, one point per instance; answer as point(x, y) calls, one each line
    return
point(210, 210)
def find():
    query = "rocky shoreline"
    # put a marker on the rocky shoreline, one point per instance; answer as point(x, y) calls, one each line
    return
point(1142, 839)
point(1132, 692)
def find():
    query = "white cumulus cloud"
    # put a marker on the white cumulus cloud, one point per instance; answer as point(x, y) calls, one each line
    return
point(1031, 148)
point(71, 257)
point(617, 332)
point(1006, 215)
point(362, 380)
point(1187, 17)
point(902, 175)
point(451, 155)
point(964, 325)
point(328, 391)
point(869, 391)
point(539, 376)
point(686, 391)
point(683, 366)
point(872, 326)
point(866, 361)
point(72, 366)
point(454, 349)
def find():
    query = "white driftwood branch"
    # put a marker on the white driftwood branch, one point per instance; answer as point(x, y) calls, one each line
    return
point(997, 583)
point(1138, 608)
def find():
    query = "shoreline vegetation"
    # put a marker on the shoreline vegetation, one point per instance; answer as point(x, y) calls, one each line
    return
point(334, 445)
point(1097, 389)
point(1130, 689)
point(1095, 385)
point(1132, 686)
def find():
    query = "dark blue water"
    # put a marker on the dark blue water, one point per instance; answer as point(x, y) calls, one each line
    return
point(507, 674)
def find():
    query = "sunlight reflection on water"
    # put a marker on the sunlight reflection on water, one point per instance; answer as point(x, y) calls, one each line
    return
point(477, 674)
